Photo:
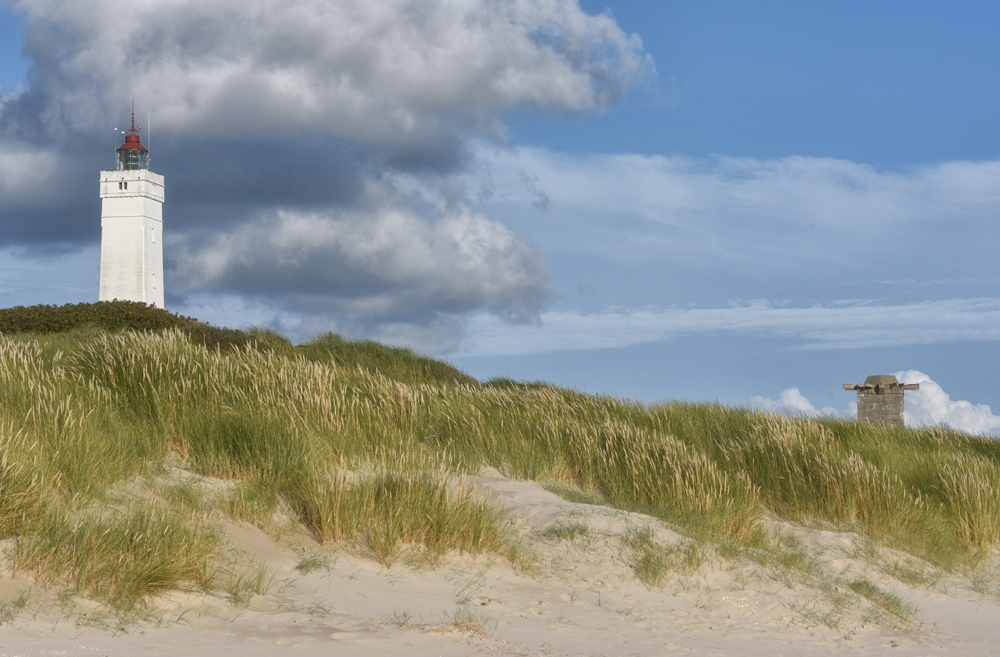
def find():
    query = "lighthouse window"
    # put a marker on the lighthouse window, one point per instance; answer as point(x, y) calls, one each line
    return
point(126, 185)
point(119, 185)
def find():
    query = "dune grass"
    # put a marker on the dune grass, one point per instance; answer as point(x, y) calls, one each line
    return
point(563, 530)
point(385, 510)
point(365, 444)
point(377, 358)
point(653, 560)
point(120, 555)
point(884, 602)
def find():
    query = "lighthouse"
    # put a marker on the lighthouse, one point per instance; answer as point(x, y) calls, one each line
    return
point(132, 226)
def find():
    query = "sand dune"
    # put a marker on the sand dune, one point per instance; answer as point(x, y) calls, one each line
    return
point(581, 597)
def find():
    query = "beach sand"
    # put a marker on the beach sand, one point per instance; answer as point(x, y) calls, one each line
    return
point(581, 597)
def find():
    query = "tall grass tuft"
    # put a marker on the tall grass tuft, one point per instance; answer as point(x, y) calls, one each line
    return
point(970, 488)
point(804, 473)
point(383, 511)
point(675, 479)
point(121, 555)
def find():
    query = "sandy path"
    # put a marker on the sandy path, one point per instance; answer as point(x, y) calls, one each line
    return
point(584, 600)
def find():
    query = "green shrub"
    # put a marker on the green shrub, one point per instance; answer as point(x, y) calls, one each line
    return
point(108, 315)
point(116, 316)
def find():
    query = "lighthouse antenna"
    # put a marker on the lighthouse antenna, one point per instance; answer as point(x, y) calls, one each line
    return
point(149, 137)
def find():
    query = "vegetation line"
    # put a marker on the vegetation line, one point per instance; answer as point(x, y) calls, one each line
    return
point(363, 441)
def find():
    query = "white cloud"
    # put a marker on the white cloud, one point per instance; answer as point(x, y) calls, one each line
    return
point(838, 194)
point(372, 72)
point(386, 265)
point(790, 402)
point(793, 216)
point(931, 405)
point(833, 326)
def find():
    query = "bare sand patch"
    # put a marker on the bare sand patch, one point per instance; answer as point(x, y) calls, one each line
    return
point(579, 596)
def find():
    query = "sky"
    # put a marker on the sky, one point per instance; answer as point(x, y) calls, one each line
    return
point(749, 203)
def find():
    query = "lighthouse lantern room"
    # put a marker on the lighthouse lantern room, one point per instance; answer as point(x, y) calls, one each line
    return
point(132, 226)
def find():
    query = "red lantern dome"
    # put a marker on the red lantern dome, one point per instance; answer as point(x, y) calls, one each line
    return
point(132, 155)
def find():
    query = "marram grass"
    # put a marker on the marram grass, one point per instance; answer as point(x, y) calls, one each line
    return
point(384, 510)
point(121, 554)
point(366, 445)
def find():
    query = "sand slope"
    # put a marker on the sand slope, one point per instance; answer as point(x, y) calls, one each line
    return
point(582, 598)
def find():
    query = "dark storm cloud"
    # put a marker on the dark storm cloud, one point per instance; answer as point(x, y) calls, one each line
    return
point(311, 147)
point(48, 196)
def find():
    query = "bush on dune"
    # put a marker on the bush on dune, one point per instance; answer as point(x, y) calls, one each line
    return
point(114, 316)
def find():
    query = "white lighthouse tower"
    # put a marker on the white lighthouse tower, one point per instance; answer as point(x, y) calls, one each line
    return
point(132, 226)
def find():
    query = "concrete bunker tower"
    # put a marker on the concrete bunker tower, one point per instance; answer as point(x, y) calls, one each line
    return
point(132, 226)
point(880, 399)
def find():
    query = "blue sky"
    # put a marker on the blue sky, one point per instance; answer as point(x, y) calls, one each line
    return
point(13, 64)
point(708, 201)
point(884, 83)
